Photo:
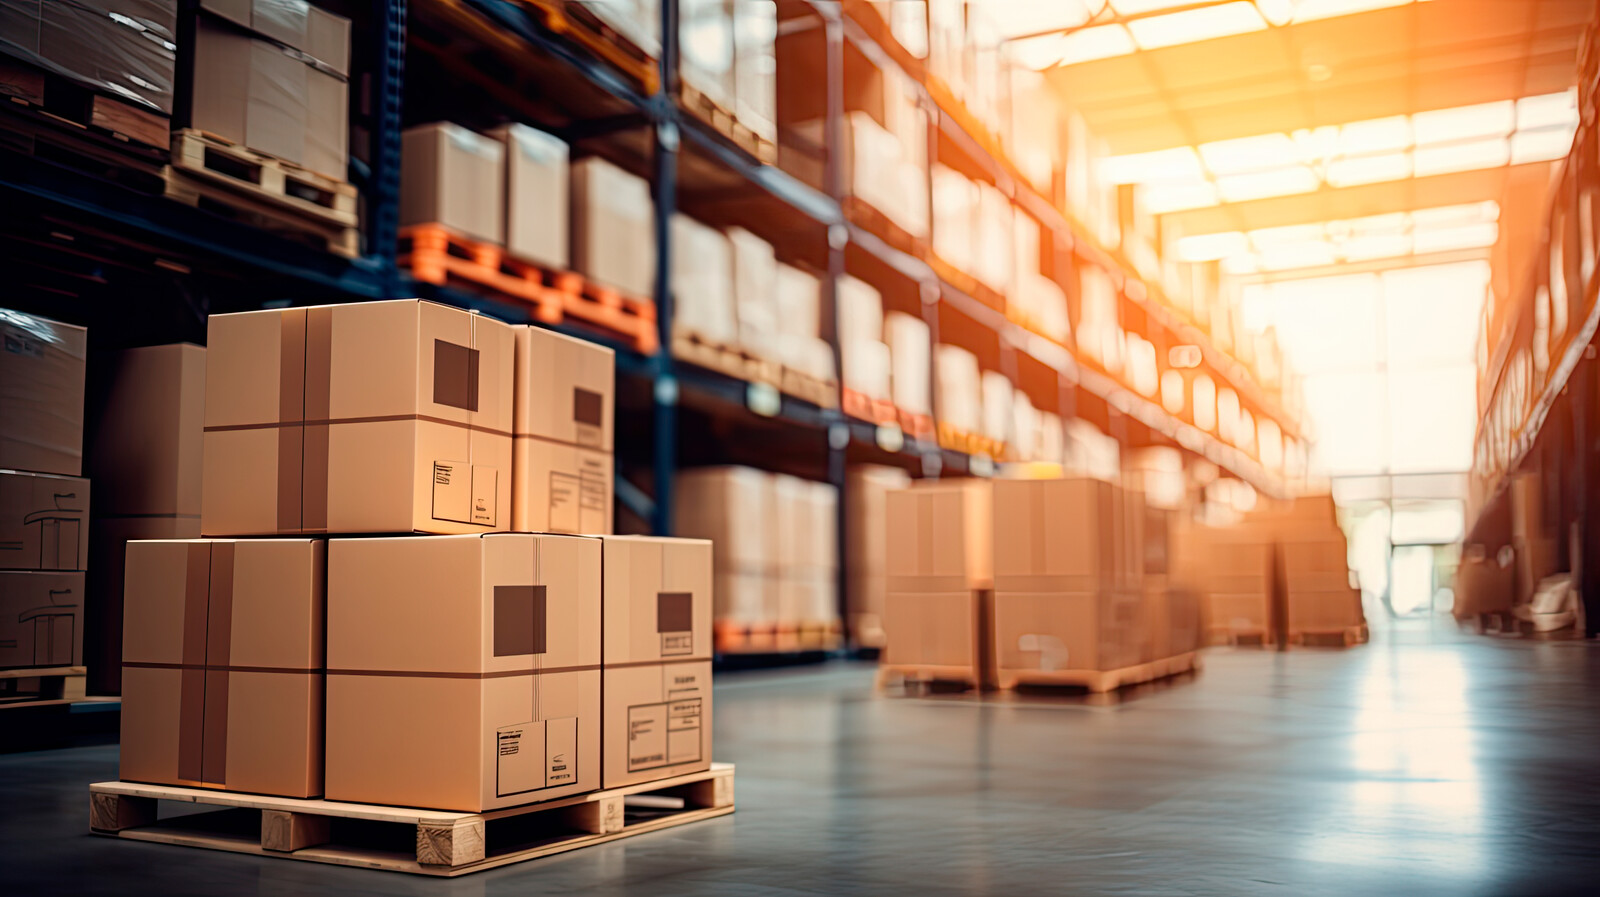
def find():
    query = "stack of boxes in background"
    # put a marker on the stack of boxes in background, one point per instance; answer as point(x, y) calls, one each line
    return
point(462, 666)
point(866, 494)
point(44, 508)
point(1314, 557)
point(145, 459)
point(777, 558)
point(940, 570)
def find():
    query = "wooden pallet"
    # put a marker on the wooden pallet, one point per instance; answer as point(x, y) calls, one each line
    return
point(876, 411)
point(777, 638)
point(745, 638)
point(136, 128)
point(1100, 681)
point(927, 674)
point(728, 125)
point(571, 20)
point(261, 212)
point(437, 255)
point(874, 221)
point(734, 361)
point(1330, 638)
point(295, 187)
point(969, 443)
point(817, 391)
point(968, 284)
point(397, 839)
point(1240, 638)
point(41, 686)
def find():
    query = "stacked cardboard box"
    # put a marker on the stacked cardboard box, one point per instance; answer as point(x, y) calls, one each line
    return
point(1172, 602)
point(1068, 575)
point(44, 500)
point(144, 458)
point(939, 564)
point(124, 48)
point(402, 417)
point(867, 488)
point(776, 562)
point(1313, 556)
point(613, 234)
point(864, 358)
point(1238, 569)
point(272, 76)
point(728, 51)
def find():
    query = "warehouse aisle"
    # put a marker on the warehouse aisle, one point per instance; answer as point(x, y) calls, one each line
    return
point(1425, 763)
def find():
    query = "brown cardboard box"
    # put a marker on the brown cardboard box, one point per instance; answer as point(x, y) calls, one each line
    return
point(657, 659)
point(1316, 566)
point(562, 428)
point(44, 521)
point(939, 537)
point(743, 598)
point(1066, 535)
point(145, 457)
point(453, 177)
point(732, 507)
point(867, 487)
point(1049, 631)
point(285, 103)
point(1320, 611)
point(613, 236)
point(41, 406)
point(1224, 612)
point(41, 619)
point(939, 629)
point(222, 665)
point(1482, 585)
point(297, 24)
point(463, 671)
point(108, 548)
point(535, 194)
point(371, 417)
point(122, 48)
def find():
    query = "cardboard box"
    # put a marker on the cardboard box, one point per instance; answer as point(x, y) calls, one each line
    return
point(707, 63)
point(297, 24)
point(144, 456)
point(1236, 612)
point(1049, 631)
point(910, 353)
point(867, 487)
point(702, 282)
point(535, 194)
point(866, 368)
point(286, 103)
point(755, 291)
point(41, 406)
point(1321, 611)
point(108, 548)
point(562, 429)
point(613, 228)
point(1316, 566)
point(940, 537)
point(799, 295)
point(41, 619)
point(939, 629)
point(657, 659)
point(1482, 585)
point(733, 508)
point(44, 521)
point(755, 67)
point(456, 178)
point(223, 665)
point(463, 671)
point(743, 598)
point(371, 417)
point(1066, 535)
point(959, 402)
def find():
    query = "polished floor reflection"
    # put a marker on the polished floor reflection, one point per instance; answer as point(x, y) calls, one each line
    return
point(1424, 763)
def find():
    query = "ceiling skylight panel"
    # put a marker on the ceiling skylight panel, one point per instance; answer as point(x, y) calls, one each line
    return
point(1490, 153)
point(1196, 25)
point(1464, 122)
point(1245, 155)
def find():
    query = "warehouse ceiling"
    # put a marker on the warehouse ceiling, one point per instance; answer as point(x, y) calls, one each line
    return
point(1248, 119)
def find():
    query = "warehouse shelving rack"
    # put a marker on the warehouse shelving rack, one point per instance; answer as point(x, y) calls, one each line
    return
point(108, 247)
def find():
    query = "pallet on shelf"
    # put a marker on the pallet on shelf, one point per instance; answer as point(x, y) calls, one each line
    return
point(262, 211)
point(136, 127)
point(817, 391)
point(573, 21)
point(398, 839)
point(42, 686)
point(726, 123)
point(1100, 681)
point(917, 426)
point(874, 221)
point(970, 443)
point(439, 256)
point(968, 284)
point(1345, 637)
point(724, 358)
point(293, 186)
point(875, 411)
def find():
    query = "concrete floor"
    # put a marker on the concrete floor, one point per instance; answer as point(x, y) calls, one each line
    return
point(1425, 763)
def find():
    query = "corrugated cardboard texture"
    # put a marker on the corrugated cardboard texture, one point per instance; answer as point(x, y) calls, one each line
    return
point(935, 628)
point(108, 543)
point(1074, 534)
point(657, 722)
point(463, 670)
point(41, 619)
point(145, 458)
point(536, 198)
point(940, 537)
point(646, 581)
point(44, 521)
point(453, 177)
point(562, 466)
point(41, 394)
point(222, 664)
point(370, 417)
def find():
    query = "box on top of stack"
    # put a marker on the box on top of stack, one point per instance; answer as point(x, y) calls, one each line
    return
point(939, 566)
point(44, 502)
point(122, 48)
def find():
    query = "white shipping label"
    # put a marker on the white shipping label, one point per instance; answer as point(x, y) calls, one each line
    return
point(561, 751)
point(452, 491)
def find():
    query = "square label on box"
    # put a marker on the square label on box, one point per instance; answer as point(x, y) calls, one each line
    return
point(663, 734)
point(452, 491)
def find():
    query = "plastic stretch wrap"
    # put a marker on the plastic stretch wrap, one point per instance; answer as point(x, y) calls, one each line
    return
point(122, 47)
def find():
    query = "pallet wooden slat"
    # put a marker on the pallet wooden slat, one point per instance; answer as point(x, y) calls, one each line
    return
point(446, 843)
point(727, 123)
point(927, 673)
point(57, 686)
point(1099, 681)
point(267, 177)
